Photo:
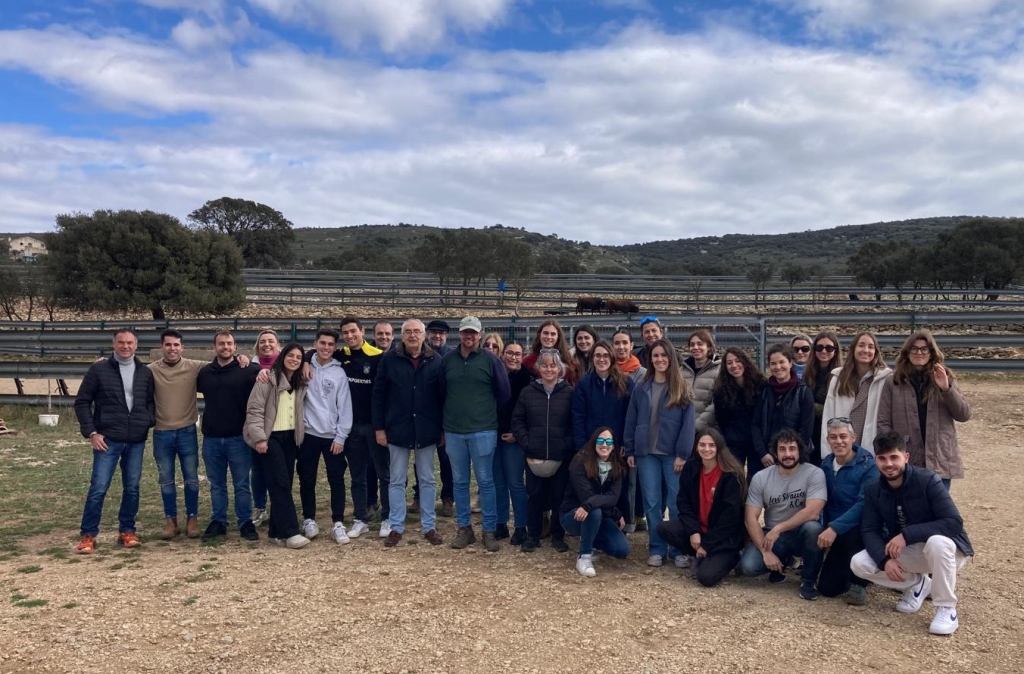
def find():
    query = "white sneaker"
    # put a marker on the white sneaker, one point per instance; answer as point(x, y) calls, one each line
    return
point(655, 560)
point(358, 529)
point(682, 561)
point(914, 597)
point(310, 530)
point(385, 528)
point(945, 621)
point(338, 534)
point(295, 542)
point(585, 566)
point(259, 516)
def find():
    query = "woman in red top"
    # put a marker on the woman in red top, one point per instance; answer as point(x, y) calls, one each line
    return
point(710, 503)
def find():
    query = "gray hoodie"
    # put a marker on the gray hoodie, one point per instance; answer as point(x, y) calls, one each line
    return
point(328, 408)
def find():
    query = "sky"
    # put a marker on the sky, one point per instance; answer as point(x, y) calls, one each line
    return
point(611, 121)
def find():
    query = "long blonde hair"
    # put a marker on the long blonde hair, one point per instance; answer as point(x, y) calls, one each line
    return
point(848, 381)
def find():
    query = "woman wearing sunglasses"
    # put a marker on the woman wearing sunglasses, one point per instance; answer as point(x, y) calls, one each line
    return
point(596, 477)
point(855, 391)
point(801, 345)
point(826, 357)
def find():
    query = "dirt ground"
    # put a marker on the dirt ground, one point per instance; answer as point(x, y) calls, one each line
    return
point(418, 608)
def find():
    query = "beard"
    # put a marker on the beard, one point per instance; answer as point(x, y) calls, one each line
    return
point(789, 463)
point(895, 477)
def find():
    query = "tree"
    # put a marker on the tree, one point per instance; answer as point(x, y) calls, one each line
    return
point(516, 265)
point(981, 251)
point(11, 291)
point(565, 262)
point(132, 260)
point(794, 274)
point(759, 275)
point(263, 234)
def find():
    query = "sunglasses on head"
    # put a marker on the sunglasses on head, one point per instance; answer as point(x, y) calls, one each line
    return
point(648, 319)
point(827, 348)
point(802, 349)
point(604, 441)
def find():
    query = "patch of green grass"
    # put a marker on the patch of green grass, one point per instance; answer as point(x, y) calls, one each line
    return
point(70, 604)
point(75, 560)
point(17, 596)
point(191, 600)
point(205, 567)
point(117, 567)
point(32, 568)
point(32, 603)
point(57, 552)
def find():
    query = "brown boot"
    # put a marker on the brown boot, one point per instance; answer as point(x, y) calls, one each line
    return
point(447, 507)
point(170, 529)
point(192, 527)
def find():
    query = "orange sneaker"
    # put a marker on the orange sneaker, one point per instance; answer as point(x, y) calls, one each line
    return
point(128, 539)
point(86, 546)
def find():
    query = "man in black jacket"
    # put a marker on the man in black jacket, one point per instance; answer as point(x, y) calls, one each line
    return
point(115, 410)
point(911, 528)
point(226, 386)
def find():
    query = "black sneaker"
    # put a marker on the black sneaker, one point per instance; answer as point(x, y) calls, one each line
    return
point(559, 544)
point(776, 577)
point(518, 536)
point(501, 531)
point(807, 591)
point(248, 531)
point(530, 544)
point(215, 530)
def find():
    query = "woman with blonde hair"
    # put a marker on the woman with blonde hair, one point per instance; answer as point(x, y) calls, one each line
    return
point(855, 392)
point(267, 348)
point(922, 402)
point(492, 342)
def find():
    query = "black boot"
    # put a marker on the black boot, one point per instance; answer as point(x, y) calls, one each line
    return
point(518, 536)
point(501, 531)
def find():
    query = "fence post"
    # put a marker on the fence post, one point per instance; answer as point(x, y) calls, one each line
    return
point(763, 324)
point(294, 333)
point(913, 321)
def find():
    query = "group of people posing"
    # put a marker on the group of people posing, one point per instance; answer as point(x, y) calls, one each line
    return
point(847, 462)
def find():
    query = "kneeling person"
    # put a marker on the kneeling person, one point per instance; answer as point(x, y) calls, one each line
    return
point(912, 528)
point(791, 494)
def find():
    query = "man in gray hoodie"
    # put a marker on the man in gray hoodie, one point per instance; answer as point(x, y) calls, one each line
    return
point(328, 418)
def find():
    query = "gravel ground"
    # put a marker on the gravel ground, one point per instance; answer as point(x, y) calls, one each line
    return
point(418, 608)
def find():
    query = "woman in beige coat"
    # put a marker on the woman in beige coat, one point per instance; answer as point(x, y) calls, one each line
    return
point(274, 428)
point(922, 402)
point(855, 392)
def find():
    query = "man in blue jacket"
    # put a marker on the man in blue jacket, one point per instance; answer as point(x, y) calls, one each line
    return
point(848, 471)
point(911, 529)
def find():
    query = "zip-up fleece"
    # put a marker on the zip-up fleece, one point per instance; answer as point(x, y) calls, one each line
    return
point(845, 504)
point(361, 367)
point(475, 387)
point(542, 423)
point(328, 409)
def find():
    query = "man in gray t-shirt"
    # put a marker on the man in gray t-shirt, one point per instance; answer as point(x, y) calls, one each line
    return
point(791, 494)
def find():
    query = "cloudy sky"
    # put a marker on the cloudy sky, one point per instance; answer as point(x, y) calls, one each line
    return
point(607, 120)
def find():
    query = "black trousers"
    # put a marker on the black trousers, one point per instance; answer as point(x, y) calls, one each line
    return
point(447, 489)
point(309, 464)
point(378, 476)
point(836, 577)
point(545, 493)
point(712, 569)
point(277, 466)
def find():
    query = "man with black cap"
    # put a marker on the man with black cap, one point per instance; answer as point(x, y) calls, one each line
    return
point(437, 337)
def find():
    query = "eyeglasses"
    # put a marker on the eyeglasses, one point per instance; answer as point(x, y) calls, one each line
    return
point(513, 354)
point(803, 349)
point(839, 421)
point(920, 349)
point(648, 319)
point(604, 441)
point(827, 348)
point(601, 356)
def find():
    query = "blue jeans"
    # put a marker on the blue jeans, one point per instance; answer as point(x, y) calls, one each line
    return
point(183, 444)
point(219, 454)
point(799, 542)
point(476, 449)
point(399, 468)
point(597, 531)
point(130, 455)
point(509, 472)
point(657, 476)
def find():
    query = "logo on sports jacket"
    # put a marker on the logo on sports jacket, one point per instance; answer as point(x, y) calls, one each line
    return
point(366, 368)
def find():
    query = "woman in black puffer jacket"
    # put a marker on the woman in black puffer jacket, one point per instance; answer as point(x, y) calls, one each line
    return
point(785, 402)
point(542, 426)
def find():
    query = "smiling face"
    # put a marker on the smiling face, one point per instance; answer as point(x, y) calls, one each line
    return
point(383, 336)
point(605, 445)
point(840, 440)
point(699, 350)
point(824, 350)
point(491, 345)
point(707, 449)
point(801, 350)
point(864, 351)
point(602, 360)
point(623, 345)
point(171, 347)
point(788, 454)
point(125, 344)
point(780, 367)
point(548, 337)
point(734, 366)
point(548, 370)
point(660, 359)
point(892, 464)
point(513, 357)
point(267, 344)
point(292, 361)
point(469, 339)
point(437, 338)
point(584, 341)
point(920, 354)
point(224, 345)
point(352, 334)
point(651, 333)
point(413, 336)
point(325, 345)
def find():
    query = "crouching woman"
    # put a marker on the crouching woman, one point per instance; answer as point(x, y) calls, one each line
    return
point(596, 475)
point(710, 503)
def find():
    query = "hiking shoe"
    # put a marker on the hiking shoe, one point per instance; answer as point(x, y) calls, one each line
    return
point(518, 536)
point(585, 566)
point(192, 527)
point(913, 597)
point(295, 542)
point(945, 621)
point(392, 540)
point(414, 507)
point(259, 516)
point(433, 537)
point(559, 544)
point(501, 531)
point(310, 529)
point(248, 531)
point(128, 539)
point(170, 529)
point(86, 546)
point(856, 596)
point(358, 529)
point(655, 560)
point(682, 561)
point(776, 577)
point(216, 529)
point(807, 591)
point(447, 507)
point(491, 542)
point(338, 533)
point(464, 538)
point(530, 544)
point(385, 528)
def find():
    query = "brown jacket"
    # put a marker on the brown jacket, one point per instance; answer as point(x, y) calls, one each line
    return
point(261, 412)
point(897, 411)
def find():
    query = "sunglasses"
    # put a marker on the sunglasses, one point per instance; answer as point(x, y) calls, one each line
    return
point(802, 349)
point(648, 319)
point(834, 421)
point(827, 348)
point(604, 441)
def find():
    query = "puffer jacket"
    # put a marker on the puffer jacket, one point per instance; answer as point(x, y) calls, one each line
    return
point(702, 382)
point(938, 451)
point(725, 521)
point(584, 492)
point(842, 406)
point(846, 489)
point(736, 421)
point(596, 403)
point(100, 405)
point(261, 412)
point(542, 423)
point(795, 410)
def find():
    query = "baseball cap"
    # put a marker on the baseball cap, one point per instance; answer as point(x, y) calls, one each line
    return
point(471, 323)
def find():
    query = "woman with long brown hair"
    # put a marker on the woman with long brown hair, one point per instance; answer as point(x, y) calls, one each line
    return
point(855, 391)
point(922, 402)
point(551, 336)
point(825, 357)
point(737, 388)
